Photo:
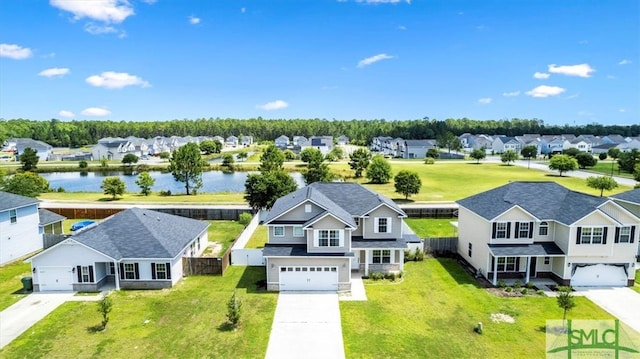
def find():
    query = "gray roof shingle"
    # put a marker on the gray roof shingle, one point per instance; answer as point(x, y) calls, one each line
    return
point(48, 217)
point(544, 200)
point(632, 196)
point(10, 201)
point(546, 249)
point(296, 250)
point(359, 242)
point(142, 233)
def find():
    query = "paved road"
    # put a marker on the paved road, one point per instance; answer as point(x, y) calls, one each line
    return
point(623, 303)
point(306, 325)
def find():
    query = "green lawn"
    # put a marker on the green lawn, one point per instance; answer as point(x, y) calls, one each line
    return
point(10, 284)
point(432, 313)
point(259, 238)
point(604, 168)
point(432, 227)
point(218, 198)
point(636, 287)
point(224, 232)
point(184, 322)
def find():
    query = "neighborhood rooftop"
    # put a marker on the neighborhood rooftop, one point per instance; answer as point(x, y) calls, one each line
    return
point(10, 201)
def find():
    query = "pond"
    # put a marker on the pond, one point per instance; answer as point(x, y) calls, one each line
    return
point(212, 181)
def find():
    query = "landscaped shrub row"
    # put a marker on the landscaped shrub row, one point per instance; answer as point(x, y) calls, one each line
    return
point(380, 276)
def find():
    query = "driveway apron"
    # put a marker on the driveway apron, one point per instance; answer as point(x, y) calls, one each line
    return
point(28, 311)
point(621, 302)
point(306, 325)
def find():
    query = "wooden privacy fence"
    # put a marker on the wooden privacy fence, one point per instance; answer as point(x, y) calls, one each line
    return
point(195, 213)
point(430, 212)
point(441, 245)
point(206, 265)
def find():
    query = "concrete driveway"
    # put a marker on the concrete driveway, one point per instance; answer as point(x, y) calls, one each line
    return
point(306, 325)
point(623, 303)
point(28, 311)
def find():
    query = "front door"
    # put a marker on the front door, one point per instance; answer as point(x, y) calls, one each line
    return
point(532, 267)
point(355, 260)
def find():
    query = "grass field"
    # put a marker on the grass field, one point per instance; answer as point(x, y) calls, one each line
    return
point(258, 238)
point(636, 287)
point(224, 232)
point(10, 284)
point(432, 227)
point(604, 168)
point(187, 321)
point(217, 198)
point(432, 313)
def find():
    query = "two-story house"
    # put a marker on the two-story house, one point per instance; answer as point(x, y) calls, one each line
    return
point(19, 231)
point(542, 229)
point(319, 234)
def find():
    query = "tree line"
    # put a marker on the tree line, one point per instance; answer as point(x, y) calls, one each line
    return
point(79, 133)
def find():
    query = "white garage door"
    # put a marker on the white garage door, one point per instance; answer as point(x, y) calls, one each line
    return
point(308, 278)
point(599, 275)
point(55, 278)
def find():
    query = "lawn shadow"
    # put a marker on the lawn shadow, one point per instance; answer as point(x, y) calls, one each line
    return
point(553, 175)
point(253, 279)
point(95, 329)
point(460, 273)
point(22, 291)
point(402, 201)
point(107, 199)
point(225, 327)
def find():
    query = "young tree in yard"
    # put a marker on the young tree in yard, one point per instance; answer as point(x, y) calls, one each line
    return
point(379, 170)
point(614, 153)
point(263, 189)
point(289, 155)
point(228, 161)
point(317, 169)
point(407, 183)
point(563, 163)
point(242, 156)
point(636, 174)
point(359, 161)
point(602, 183)
point(164, 155)
point(113, 186)
point(336, 154)
point(129, 159)
point(145, 182)
point(508, 157)
point(602, 156)
point(585, 160)
point(210, 146)
point(234, 310)
point(186, 166)
point(27, 184)
point(573, 152)
point(29, 159)
point(565, 300)
point(310, 154)
point(272, 159)
point(529, 152)
point(627, 160)
point(104, 308)
point(433, 153)
point(478, 154)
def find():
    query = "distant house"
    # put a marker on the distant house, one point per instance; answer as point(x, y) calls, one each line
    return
point(282, 142)
point(299, 140)
point(577, 143)
point(112, 149)
point(18, 145)
point(378, 143)
point(322, 143)
point(616, 139)
point(504, 143)
point(343, 140)
point(231, 141)
point(416, 148)
point(246, 141)
point(135, 249)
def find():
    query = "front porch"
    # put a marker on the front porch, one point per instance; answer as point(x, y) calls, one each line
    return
point(523, 262)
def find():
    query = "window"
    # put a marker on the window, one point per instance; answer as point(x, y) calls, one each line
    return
point(328, 238)
point(129, 271)
point(507, 264)
point(381, 256)
point(112, 268)
point(500, 230)
point(298, 232)
point(278, 231)
point(624, 234)
point(161, 271)
point(544, 229)
point(14, 215)
point(382, 225)
point(547, 260)
point(85, 274)
point(357, 220)
point(470, 249)
point(307, 208)
point(591, 235)
point(523, 229)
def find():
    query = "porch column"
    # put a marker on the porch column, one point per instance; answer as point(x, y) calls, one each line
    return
point(401, 259)
point(495, 270)
point(117, 274)
point(366, 262)
point(526, 278)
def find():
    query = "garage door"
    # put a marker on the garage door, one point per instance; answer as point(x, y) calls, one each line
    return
point(599, 275)
point(308, 278)
point(55, 278)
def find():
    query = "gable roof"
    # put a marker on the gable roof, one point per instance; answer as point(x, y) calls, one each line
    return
point(420, 143)
point(142, 233)
point(10, 201)
point(344, 200)
point(632, 196)
point(544, 200)
point(48, 217)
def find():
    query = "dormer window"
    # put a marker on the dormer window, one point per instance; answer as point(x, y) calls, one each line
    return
point(544, 229)
point(278, 231)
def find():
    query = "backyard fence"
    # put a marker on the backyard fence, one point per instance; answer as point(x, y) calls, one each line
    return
point(441, 245)
point(195, 213)
point(247, 257)
point(431, 212)
point(50, 239)
point(202, 266)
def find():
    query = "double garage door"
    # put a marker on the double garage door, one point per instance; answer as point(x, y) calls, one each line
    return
point(55, 278)
point(308, 278)
point(599, 275)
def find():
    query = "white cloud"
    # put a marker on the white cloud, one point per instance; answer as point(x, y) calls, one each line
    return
point(582, 70)
point(116, 80)
point(624, 62)
point(194, 20)
point(485, 100)
point(402, 27)
point(66, 114)
point(55, 71)
point(374, 59)
point(95, 111)
point(545, 91)
point(383, 1)
point(15, 52)
point(108, 11)
point(622, 110)
point(274, 105)
point(541, 75)
point(96, 29)
point(243, 10)
point(511, 94)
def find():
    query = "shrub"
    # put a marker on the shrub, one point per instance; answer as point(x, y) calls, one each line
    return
point(234, 310)
point(165, 193)
point(524, 291)
point(245, 218)
point(400, 274)
point(429, 161)
point(508, 289)
point(529, 285)
point(104, 308)
point(60, 189)
point(83, 164)
point(517, 284)
point(409, 256)
point(540, 292)
point(419, 256)
point(502, 284)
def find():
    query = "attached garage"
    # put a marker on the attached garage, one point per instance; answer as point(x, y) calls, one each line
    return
point(599, 275)
point(55, 278)
point(310, 278)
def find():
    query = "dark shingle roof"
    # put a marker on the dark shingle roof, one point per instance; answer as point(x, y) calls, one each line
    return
point(142, 233)
point(48, 217)
point(344, 200)
point(629, 196)
point(546, 249)
point(10, 201)
point(296, 250)
point(359, 242)
point(544, 200)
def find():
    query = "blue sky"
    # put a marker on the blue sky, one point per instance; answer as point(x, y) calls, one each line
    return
point(565, 62)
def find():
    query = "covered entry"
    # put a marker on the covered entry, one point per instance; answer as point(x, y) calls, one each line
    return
point(506, 258)
point(599, 275)
point(308, 278)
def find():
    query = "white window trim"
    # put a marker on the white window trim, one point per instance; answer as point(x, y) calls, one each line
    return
point(520, 230)
point(132, 271)
point(544, 225)
point(307, 208)
point(381, 256)
point(301, 234)
point(163, 271)
point(85, 272)
point(627, 235)
point(316, 238)
point(275, 234)
point(376, 224)
point(13, 216)
point(498, 230)
point(591, 235)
